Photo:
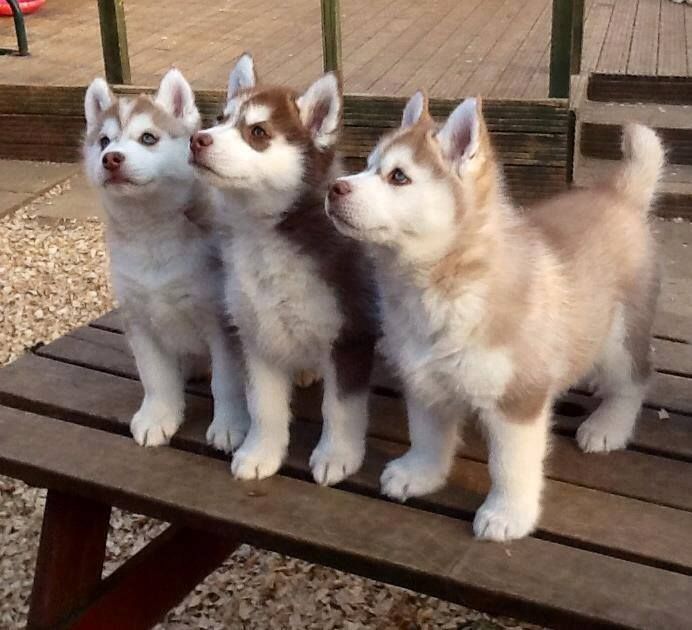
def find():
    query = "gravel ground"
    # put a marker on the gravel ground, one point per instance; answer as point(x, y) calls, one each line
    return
point(54, 278)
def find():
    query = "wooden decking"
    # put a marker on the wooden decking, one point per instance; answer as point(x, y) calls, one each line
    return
point(497, 48)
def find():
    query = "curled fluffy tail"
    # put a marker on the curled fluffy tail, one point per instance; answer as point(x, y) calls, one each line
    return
point(643, 163)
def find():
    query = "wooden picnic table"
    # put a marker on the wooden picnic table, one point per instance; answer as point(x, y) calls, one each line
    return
point(613, 549)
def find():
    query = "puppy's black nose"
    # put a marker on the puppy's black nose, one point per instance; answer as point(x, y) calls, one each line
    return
point(200, 140)
point(112, 160)
point(339, 188)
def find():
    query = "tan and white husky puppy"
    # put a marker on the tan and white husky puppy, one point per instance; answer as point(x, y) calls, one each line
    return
point(500, 310)
point(298, 290)
point(165, 265)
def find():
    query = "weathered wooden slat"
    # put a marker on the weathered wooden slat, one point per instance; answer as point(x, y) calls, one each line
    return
point(167, 569)
point(671, 436)
point(432, 553)
point(512, 147)
point(38, 152)
point(603, 141)
point(628, 88)
point(70, 557)
point(549, 116)
point(462, 495)
point(75, 393)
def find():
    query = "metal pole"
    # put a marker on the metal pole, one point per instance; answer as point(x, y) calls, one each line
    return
point(19, 28)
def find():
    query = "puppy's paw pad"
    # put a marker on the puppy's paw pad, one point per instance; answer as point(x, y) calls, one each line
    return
point(410, 477)
point(154, 427)
point(225, 434)
point(596, 437)
point(500, 521)
point(253, 461)
point(332, 465)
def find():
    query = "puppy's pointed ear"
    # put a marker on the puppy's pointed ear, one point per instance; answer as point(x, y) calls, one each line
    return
point(320, 109)
point(242, 76)
point(176, 96)
point(463, 136)
point(416, 108)
point(97, 100)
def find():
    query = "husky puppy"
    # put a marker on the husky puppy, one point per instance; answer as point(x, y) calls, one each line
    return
point(299, 289)
point(489, 308)
point(165, 268)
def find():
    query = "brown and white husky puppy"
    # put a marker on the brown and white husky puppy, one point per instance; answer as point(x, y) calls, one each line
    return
point(298, 290)
point(498, 309)
point(165, 265)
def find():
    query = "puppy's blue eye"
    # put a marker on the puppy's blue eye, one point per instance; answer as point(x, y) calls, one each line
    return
point(398, 178)
point(148, 139)
point(104, 141)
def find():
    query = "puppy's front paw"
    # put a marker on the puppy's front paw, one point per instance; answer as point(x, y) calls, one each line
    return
point(257, 459)
point(500, 520)
point(411, 476)
point(155, 423)
point(596, 436)
point(332, 463)
point(227, 431)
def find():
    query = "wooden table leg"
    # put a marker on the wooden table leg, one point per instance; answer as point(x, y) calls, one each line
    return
point(140, 592)
point(70, 557)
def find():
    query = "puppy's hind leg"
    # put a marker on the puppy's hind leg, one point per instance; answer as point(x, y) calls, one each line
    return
point(623, 372)
point(341, 448)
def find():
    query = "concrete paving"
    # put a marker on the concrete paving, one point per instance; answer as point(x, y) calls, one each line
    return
point(21, 181)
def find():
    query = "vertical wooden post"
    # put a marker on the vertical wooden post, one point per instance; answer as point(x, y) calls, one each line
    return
point(331, 35)
point(577, 35)
point(560, 49)
point(114, 41)
point(70, 557)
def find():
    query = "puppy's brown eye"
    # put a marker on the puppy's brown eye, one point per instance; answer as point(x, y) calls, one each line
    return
point(398, 178)
point(258, 132)
point(104, 141)
point(220, 119)
point(149, 139)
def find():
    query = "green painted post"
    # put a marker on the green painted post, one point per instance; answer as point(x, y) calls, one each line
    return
point(114, 41)
point(577, 35)
point(331, 35)
point(560, 49)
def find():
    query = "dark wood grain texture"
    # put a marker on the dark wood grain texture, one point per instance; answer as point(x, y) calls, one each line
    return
point(70, 555)
point(432, 553)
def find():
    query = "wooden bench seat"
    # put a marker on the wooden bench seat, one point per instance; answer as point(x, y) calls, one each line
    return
point(612, 550)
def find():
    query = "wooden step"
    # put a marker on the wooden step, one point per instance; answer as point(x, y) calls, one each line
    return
point(675, 190)
point(630, 88)
point(600, 128)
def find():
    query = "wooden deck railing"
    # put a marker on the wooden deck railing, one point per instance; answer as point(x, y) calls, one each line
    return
point(565, 49)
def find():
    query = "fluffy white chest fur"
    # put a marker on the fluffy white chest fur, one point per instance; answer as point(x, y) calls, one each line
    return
point(279, 300)
point(167, 285)
point(430, 341)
